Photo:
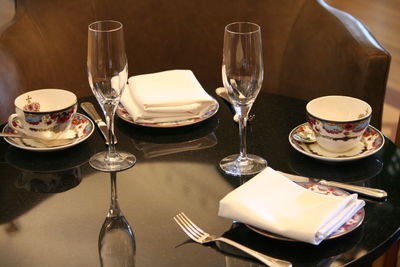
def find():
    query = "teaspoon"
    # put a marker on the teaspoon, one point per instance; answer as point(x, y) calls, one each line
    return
point(306, 136)
point(46, 142)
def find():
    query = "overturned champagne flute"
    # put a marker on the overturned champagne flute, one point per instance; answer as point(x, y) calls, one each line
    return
point(117, 245)
point(107, 67)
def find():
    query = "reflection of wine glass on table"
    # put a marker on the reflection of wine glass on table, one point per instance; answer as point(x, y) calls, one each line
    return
point(116, 240)
point(242, 75)
point(107, 66)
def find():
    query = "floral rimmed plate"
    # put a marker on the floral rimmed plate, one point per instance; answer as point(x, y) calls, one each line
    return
point(82, 127)
point(123, 114)
point(371, 142)
point(349, 226)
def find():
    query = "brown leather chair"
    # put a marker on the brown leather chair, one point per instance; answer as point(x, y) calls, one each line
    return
point(397, 140)
point(310, 49)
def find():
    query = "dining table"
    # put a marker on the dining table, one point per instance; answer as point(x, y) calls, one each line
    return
point(54, 205)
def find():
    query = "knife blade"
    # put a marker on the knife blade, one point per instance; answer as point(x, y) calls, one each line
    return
point(91, 111)
point(366, 191)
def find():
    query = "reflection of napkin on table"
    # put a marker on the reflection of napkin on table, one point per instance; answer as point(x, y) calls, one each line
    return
point(272, 202)
point(151, 150)
point(166, 97)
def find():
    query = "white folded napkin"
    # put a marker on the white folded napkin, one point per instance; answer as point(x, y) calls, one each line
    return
point(274, 203)
point(166, 96)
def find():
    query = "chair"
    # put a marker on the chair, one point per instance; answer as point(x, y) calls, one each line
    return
point(397, 140)
point(310, 49)
point(390, 258)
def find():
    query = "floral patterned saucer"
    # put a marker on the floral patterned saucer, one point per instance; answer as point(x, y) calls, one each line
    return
point(349, 226)
point(82, 127)
point(123, 114)
point(371, 142)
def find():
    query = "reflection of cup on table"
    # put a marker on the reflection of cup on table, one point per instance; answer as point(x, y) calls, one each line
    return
point(44, 113)
point(338, 121)
point(52, 172)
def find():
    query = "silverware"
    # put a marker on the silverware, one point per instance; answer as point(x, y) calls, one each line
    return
point(221, 92)
point(91, 111)
point(46, 142)
point(306, 136)
point(366, 191)
point(199, 236)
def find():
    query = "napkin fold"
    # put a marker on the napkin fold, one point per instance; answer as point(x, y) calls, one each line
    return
point(166, 96)
point(272, 202)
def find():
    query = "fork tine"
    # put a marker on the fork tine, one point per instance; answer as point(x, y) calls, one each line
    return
point(199, 236)
point(186, 221)
point(183, 227)
point(187, 229)
point(188, 226)
point(193, 225)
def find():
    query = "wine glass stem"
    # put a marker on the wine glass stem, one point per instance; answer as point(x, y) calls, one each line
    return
point(243, 112)
point(109, 110)
point(114, 207)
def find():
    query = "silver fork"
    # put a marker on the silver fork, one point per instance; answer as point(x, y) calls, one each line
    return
point(202, 237)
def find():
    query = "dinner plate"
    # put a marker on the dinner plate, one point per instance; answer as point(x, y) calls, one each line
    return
point(349, 226)
point(371, 142)
point(123, 114)
point(82, 127)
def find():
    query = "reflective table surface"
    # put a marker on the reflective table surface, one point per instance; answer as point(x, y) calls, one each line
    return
point(54, 206)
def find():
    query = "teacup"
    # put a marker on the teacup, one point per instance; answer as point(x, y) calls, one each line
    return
point(44, 113)
point(338, 122)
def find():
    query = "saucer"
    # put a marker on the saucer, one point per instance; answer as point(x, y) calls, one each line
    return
point(82, 127)
point(371, 142)
point(123, 114)
point(349, 226)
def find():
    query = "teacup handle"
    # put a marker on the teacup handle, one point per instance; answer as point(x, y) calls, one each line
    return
point(15, 123)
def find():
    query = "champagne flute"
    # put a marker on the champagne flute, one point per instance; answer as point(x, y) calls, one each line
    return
point(117, 246)
point(107, 66)
point(242, 75)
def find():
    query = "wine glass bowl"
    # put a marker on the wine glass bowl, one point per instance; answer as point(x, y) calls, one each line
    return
point(242, 76)
point(107, 67)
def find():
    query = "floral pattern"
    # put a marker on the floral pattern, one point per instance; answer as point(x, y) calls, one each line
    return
point(35, 106)
point(124, 114)
point(371, 142)
point(58, 117)
point(344, 130)
point(82, 127)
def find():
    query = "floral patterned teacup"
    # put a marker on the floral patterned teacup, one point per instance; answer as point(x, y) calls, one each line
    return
point(338, 121)
point(44, 113)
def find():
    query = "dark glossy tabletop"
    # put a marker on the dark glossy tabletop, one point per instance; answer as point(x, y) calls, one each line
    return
point(53, 205)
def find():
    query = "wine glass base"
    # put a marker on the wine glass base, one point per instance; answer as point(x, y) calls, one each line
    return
point(122, 161)
point(238, 166)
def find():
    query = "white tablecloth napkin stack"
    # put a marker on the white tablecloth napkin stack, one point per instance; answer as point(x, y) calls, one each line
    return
point(166, 96)
point(274, 203)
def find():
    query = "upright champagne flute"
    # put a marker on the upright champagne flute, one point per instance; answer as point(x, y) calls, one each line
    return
point(107, 66)
point(242, 75)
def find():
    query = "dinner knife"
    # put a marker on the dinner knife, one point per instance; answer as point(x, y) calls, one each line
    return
point(91, 111)
point(366, 191)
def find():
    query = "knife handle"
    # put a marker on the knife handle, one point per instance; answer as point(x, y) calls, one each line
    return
point(366, 191)
point(373, 192)
point(91, 111)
